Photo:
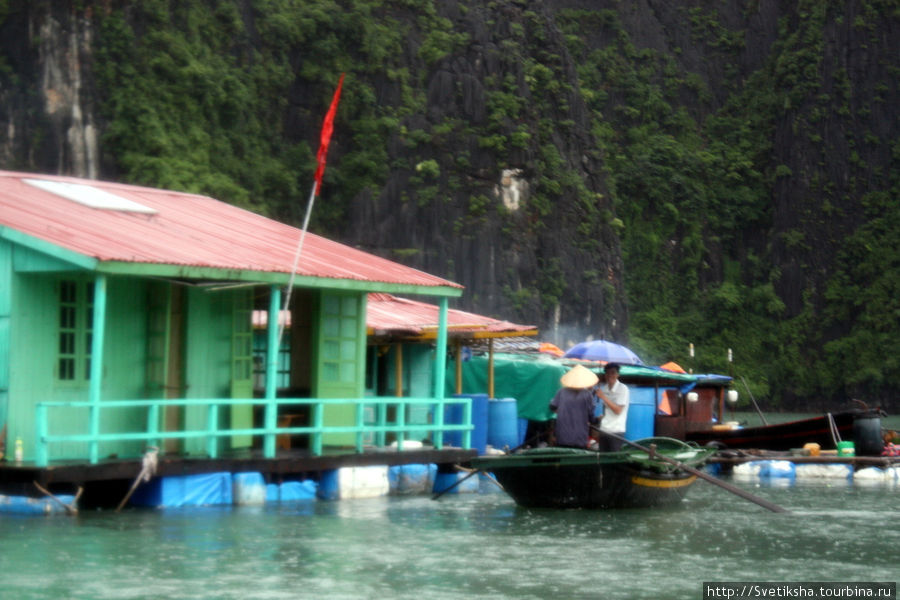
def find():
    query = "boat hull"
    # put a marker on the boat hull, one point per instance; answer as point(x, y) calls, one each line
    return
point(782, 436)
point(591, 480)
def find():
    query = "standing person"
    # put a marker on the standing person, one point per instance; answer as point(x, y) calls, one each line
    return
point(574, 407)
point(614, 396)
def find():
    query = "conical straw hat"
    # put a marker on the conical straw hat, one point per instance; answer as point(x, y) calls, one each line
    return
point(579, 377)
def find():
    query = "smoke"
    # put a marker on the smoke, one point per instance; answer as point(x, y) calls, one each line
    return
point(566, 336)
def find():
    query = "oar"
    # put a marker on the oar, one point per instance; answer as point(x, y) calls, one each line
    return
point(454, 484)
point(72, 509)
point(476, 471)
point(726, 486)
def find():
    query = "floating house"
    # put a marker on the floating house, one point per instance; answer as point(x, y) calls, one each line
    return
point(126, 321)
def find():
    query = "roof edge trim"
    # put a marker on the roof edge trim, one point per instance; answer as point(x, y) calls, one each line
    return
point(270, 277)
point(48, 248)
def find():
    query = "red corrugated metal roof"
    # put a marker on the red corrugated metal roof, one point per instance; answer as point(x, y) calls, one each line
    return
point(389, 315)
point(185, 229)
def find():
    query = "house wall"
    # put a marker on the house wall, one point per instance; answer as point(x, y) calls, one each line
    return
point(5, 308)
point(125, 361)
point(34, 339)
point(417, 364)
point(33, 377)
point(208, 352)
point(418, 361)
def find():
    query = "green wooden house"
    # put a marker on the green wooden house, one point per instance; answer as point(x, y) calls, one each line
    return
point(126, 321)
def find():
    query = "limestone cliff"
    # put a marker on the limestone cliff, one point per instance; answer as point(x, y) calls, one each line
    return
point(46, 103)
point(722, 173)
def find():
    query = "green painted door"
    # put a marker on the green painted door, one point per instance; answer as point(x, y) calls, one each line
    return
point(341, 344)
point(242, 365)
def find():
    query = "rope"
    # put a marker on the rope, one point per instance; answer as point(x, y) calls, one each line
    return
point(835, 434)
point(148, 470)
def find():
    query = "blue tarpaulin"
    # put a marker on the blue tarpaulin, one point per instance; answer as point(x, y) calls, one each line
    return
point(23, 505)
point(186, 490)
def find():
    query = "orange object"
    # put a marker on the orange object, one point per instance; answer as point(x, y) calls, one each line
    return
point(551, 349)
point(666, 403)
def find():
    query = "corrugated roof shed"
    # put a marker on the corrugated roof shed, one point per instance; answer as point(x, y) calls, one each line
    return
point(390, 316)
point(119, 223)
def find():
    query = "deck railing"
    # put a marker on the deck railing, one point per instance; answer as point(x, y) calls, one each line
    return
point(153, 435)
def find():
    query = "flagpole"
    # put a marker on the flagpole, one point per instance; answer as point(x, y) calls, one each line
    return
point(290, 285)
point(324, 141)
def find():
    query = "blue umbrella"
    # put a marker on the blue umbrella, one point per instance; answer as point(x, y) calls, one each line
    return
point(605, 351)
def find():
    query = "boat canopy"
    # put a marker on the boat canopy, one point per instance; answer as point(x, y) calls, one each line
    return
point(533, 379)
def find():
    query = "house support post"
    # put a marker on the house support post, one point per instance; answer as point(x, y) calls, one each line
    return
point(440, 372)
point(491, 368)
point(99, 331)
point(273, 344)
point(458, 344)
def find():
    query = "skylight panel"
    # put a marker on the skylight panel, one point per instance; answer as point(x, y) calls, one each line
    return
point(91, 196)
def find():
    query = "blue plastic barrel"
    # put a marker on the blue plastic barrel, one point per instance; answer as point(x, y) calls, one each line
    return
point(503, 423)
point(291, 491)
point(641, 413)
point(329, 485)
point(453, 415)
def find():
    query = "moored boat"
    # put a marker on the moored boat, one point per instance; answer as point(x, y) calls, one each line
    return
point(863, 427)
point(574, 478)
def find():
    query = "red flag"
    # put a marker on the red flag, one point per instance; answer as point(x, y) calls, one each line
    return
point(327, 128)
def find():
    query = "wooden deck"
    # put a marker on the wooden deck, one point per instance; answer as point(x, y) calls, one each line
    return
point(105, 483)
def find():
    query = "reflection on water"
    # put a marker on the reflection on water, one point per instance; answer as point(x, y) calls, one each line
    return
point(480, 546)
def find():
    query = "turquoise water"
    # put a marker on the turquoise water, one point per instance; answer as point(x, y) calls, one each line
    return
point(467, 545)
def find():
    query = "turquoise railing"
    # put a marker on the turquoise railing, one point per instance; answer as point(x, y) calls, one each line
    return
point(153, 435)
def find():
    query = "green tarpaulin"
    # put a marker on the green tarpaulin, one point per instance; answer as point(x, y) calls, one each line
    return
point(534, 381)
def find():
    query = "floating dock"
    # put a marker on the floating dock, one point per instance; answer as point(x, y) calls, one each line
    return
point(104, 484)
point(729, 458)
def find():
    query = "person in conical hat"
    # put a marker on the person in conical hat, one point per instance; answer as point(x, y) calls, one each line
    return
point(574, 407)
point(579, 377)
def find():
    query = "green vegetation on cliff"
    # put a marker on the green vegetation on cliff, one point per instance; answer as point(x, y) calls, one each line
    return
point(722, 174)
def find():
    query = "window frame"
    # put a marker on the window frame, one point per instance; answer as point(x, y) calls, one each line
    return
point(74, 331)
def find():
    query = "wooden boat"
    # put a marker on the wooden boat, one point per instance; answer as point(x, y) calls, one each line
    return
point(823, 430)
point(574, 478)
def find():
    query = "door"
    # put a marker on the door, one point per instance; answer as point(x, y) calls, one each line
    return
point(165, 355)
point(242, 365)
point(341, 355)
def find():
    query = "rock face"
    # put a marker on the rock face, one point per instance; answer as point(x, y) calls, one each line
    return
point(492, 215)
point(50, 116)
